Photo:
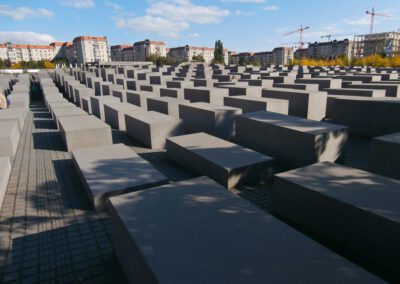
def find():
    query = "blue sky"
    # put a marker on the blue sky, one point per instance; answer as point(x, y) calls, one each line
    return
point(242, 25)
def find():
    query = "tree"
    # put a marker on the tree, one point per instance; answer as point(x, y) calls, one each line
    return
point(61, 61)
point(243, 61)
point(219, 52)
point(198, 58)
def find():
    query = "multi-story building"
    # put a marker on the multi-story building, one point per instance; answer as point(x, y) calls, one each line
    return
point(301, 53)
point(263, 58)
point(330, 50)
point(387, 43)
point(282, 55)
point(61, 48)
point(278, 56)
point(241, 57)
point(89, 49)
point(117, 52)
point(143, 49)
point(84, 49)
point(25, 52)
point(187, 52)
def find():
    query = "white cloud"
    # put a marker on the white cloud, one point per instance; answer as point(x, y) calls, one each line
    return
point(193, 35)
point(184, 10)
point(154, 25)
point(245, 1)
point(171, 17)
point(79, 4)
point(244, 13)
point(26, 37)
point(270, 8)
point(366, 20)
point(21, 13)
point(114, 6)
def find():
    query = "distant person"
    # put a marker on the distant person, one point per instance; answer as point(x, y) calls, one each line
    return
point(233, 79)
point(3, 101)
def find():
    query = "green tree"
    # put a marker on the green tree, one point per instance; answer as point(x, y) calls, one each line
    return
point(243, 61)
point(219, 52)
point(4, 64)
point(198, 58)
point(61, 61)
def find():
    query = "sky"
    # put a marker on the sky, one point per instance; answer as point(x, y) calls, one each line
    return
point(242, 25)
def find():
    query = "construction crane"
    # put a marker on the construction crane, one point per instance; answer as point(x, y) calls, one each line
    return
point(329, 36)
point(301, 30)
point(373, 14)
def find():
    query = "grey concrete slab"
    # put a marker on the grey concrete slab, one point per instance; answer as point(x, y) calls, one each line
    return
point(113, 170)
point(152, 128)
point(121, 94)
point(392, 90)
point(139, 98)
point(225, 162)
point(165, 105)
point(59, 112)
point(212, 119)
point(173, 93)
point(365, 78)
point(384, 155)
point(13, 114)
point(252, 104)
point(86, 105)
point(305, 104)
point(85, 131)
point(323, 83)
point(367, 117)
point(291, 140)
point(207, 95)
point(356, 210)
point(97, 104)
point(372, 93)
point(9, 138)
point(114, 113)
point(226, 239)
point(306, 87)
point(243, 91)
point(5, 170)
point(82, 92)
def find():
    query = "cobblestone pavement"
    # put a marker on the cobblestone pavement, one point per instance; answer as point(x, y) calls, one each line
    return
point(48, 233)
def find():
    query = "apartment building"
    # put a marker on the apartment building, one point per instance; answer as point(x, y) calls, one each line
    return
point(242, 57)
point(263, 58)
point(186, 53)
point(143, 49)
point(119, 52)
point(278, 56)
point(301, 53)
point(82, 50)
point(25, 52)
point(330, 50)
point(89, 49)
point(387, 43)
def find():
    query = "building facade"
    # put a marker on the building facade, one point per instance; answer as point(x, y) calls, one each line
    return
point(301, 53)
point(278, 56)
point(186, 53)
point(82, 50)
point(143, 49)
point(16, 53)
point(387, 43)
point(117, 52)
point(89, 49)
point(330, 50)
